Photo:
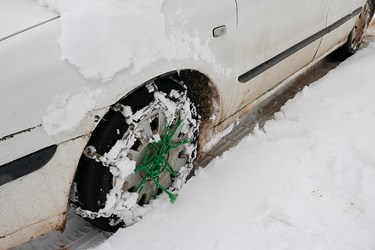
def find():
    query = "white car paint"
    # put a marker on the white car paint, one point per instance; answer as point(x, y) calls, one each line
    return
point(18, 15)
point(271, 34)
point(338, 9)
point(49, 190)
point(32, 74)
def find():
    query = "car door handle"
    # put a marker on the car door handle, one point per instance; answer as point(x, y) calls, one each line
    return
point(219, 31)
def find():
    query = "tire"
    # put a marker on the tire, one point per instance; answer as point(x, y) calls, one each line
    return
point(355, 37)
point(124, 165)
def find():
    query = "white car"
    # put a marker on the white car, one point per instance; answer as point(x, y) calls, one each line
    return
point(138, 134)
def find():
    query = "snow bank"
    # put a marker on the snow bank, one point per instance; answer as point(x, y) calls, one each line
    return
point(103, 37)
point(307, 182)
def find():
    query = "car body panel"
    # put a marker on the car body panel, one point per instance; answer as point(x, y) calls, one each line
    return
point(33, 75)
point(39, 196)
point(339, 9)
point(27, 233)
point(275, 33)
point(19, 15)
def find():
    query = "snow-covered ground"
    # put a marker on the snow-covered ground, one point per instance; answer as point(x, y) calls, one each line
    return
point(307, 181)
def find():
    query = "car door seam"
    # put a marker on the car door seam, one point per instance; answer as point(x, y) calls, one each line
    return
point(297, 47)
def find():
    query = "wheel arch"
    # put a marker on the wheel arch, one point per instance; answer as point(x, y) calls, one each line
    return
point(202, 91)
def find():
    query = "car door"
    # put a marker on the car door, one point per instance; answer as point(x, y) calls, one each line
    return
point(344, 13)
point(270, 28)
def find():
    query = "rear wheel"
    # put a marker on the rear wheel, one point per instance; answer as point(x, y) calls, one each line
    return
point(144, 147)
point(355, 37)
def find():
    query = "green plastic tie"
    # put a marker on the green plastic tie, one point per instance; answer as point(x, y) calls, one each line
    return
point(156, 161)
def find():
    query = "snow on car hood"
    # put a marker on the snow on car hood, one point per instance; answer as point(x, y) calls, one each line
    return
point(19, 15)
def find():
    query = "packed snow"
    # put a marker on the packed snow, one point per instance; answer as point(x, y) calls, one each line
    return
point(304, 181)
point(104, 37)
point(67, 111)
point(218, 137)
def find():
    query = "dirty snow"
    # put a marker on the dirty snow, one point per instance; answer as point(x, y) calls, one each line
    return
point(67, 111)
point(217, 137)
point(103, 37)
point(307, 181)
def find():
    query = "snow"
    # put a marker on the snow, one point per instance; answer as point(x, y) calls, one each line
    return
point(104, 37)
point(306, 181)
point(123, 204)
point(216, 138)
point(67, 111)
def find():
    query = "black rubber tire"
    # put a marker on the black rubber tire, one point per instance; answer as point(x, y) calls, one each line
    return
point(349, 48)
point(92, 180)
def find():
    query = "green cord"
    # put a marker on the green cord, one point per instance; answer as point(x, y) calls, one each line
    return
point(156, 162)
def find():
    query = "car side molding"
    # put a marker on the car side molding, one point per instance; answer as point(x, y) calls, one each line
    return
point(285, 54)
point(26, 165)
